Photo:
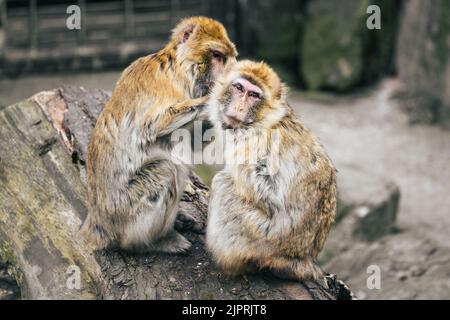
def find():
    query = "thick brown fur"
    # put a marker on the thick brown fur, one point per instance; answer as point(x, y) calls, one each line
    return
point(133, 183)
point(278, 219)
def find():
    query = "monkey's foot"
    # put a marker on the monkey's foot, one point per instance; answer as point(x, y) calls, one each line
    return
point(185, 222)
point(172, 243)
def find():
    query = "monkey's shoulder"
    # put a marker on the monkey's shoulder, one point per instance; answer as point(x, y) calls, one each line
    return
point(303, 144)
point(152, 74)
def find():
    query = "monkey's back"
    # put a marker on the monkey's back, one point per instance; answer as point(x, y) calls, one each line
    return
point(312, 190)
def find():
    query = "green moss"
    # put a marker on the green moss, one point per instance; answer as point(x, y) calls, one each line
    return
point(331, 50)
point(206, 295)
point(276, 40)
point(205, 172)
point(339, 52)
point(7, 255)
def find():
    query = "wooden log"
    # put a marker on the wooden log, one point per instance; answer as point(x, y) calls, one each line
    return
point(43, 142)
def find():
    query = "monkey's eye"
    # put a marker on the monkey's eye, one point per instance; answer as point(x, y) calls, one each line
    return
point(219, 56)
point(238, 87)
point(254, 95)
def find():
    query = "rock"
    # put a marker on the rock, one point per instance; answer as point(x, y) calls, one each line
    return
point(423, 61)
point(330, 52)
point(338, 51)
point(273, 40)
point(367, 210)
point(402, 276)
point(417, 271)
point(411, 267)
point(369, 201)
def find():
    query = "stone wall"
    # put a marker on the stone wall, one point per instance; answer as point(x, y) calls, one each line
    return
point(325, 45)
point(423, 60)
point(338, 51)
point(271, 31)
point(320, 44)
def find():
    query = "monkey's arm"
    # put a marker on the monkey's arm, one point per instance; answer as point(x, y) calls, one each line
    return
point(173, 117)
point(273, 216)
point(268, 187)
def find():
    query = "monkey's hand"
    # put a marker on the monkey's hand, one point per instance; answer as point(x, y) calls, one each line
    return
point(174, 117)
point(271, 212)
point(203, 113)
point(188, 106)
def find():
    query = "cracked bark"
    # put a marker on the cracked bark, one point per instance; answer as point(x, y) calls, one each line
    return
point(43, 203)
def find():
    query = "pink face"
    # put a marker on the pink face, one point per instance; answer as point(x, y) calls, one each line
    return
point(244, 97)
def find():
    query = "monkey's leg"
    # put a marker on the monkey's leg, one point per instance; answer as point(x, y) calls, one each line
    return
point(95, 233)
point(185, 221)
point(226, 240)
point(154, 191)
point(173, 242)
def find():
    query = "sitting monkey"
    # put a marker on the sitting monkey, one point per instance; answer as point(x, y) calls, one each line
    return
point(134, 186)
point(274, 213)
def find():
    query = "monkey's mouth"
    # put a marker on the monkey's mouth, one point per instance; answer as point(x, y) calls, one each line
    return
point(226, 126)
point(230, 123)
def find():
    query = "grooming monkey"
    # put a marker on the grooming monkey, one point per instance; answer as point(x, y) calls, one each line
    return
point(133, 184)
point(279, 218)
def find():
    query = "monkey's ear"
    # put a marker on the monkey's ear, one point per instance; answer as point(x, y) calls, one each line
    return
point(183, 32)
point(187, 32)
point(282, 92)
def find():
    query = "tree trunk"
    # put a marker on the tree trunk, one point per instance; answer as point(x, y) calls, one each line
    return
point(43, 142)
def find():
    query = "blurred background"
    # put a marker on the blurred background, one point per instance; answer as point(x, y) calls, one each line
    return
point(379, 100)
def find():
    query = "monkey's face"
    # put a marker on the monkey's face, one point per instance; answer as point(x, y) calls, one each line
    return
point(248, 95)
point(204, 51)
point(240, 103)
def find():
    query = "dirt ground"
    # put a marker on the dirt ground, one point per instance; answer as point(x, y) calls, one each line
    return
point(368, 130)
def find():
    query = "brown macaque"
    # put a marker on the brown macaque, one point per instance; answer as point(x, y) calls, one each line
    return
point(134, 186)
point(276, 212)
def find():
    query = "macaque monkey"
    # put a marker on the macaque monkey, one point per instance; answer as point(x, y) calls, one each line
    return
point(276, 212)
point(134, 186)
